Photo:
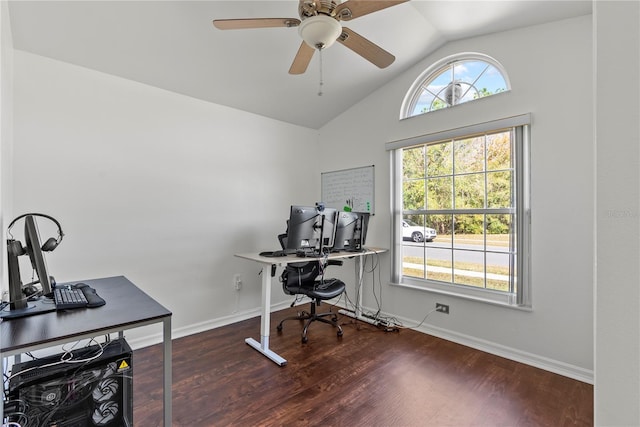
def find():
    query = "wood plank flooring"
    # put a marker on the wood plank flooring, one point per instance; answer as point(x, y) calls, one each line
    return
point(366, 378)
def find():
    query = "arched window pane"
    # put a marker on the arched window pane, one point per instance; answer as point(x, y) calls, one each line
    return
point(455, 80)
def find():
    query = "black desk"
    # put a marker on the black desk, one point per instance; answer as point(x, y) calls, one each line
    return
point(127, 307)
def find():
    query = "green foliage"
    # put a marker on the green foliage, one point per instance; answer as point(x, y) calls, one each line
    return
point(453, 175)
point(498, 224)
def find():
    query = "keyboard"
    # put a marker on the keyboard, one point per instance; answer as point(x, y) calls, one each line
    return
point(67, 297)
point(79, 295)
point(283, 252)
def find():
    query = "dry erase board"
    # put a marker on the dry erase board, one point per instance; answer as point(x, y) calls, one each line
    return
point(349, 189)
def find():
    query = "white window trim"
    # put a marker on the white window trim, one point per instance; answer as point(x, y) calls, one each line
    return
point(523, 211)
point(412, 94)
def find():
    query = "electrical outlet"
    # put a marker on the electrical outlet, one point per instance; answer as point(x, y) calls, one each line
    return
point(237, 281)
point(442, 308)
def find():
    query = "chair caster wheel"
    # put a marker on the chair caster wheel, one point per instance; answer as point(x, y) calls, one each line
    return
point(304, 340)
point(339, 333)
point(335, 319)
point(279, 328)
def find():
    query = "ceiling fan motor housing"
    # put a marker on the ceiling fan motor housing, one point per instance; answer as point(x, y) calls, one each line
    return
point(320, 31)
point(309, 8)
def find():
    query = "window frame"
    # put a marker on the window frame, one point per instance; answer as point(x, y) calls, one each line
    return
point(434, 71)
point(519, 299)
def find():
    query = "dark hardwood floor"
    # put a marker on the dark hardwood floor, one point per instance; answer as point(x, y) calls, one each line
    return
point(366, 378)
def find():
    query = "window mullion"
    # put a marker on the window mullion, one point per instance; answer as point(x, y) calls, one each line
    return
point(470, 211)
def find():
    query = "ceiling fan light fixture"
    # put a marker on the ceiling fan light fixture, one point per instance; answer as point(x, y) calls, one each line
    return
point(320, 31)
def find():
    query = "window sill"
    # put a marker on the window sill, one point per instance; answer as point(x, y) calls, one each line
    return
point(493, 298)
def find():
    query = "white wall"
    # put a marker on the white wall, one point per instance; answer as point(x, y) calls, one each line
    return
point(6, 125)
point(6, 131)
point(617, 309)
point(550, 68)
point(156, 186)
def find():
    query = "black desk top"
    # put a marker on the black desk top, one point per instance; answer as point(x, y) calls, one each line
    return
point(126, 306)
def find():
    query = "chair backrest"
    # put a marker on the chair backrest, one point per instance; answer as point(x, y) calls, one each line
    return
point(299, 274)
point(282, 238)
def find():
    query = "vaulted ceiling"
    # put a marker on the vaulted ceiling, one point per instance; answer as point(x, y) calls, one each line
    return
point(173, 45)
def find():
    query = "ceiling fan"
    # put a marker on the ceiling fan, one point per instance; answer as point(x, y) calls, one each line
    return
point(319, 27)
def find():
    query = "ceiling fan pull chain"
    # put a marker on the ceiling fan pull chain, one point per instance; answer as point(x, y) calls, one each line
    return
point(321, 82)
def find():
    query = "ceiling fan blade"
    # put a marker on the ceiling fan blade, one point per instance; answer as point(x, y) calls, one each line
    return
point(241, 24)
point(302, 59)
point(351, 9)
point(365, 48)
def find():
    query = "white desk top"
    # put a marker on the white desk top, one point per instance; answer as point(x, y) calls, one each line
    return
point(289, 259)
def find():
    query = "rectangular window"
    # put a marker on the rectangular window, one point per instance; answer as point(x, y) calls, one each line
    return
point(461, 212)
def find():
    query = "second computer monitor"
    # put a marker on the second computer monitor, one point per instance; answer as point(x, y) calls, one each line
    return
point(351, 231)
point(345, 230)
point(360, 235)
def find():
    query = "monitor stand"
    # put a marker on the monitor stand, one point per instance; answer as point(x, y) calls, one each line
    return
point(22, 307)
point(38, 306)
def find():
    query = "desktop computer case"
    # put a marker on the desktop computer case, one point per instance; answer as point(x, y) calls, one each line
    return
point(97, 391)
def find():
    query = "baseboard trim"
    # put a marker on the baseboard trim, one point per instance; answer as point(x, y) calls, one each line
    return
point(195, 328)
point(531, 359)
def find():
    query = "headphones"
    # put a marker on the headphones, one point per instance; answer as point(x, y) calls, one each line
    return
point(15, 247)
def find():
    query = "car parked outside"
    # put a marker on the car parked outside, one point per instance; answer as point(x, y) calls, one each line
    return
point(417, 233)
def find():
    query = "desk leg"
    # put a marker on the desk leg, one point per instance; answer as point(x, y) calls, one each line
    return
point(263, 345)
point(357, 313)
point(167, 372)
point(361, 285)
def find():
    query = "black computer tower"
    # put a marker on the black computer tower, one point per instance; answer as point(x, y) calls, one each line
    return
point(92, 387)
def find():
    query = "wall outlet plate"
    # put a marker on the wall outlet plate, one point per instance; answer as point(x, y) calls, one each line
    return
point(442, 308)
point(237, 281)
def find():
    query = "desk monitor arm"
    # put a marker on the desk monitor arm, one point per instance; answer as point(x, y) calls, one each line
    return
point(19, 304)
point(17, 298)
point(320, 208)
point(321, 227)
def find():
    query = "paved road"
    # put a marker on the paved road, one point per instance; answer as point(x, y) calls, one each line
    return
point(466, 253)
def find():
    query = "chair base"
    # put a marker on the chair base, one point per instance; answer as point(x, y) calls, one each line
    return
point(312, 317)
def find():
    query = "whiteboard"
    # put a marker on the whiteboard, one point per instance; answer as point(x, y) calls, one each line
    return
point(349, 189)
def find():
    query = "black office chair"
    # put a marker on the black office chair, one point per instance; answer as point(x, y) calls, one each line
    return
point(301, 278)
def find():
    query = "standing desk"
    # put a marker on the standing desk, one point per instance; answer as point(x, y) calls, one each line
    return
point(270, 263)
point(126, 307)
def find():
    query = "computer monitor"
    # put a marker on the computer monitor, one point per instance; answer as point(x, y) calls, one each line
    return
point(330, 217)
point(360, 234)
point(345, 230)
point(39, 264)
point(351, 231)
point(311, 228)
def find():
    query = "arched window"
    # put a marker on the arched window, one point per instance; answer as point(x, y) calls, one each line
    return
point(454, 80)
